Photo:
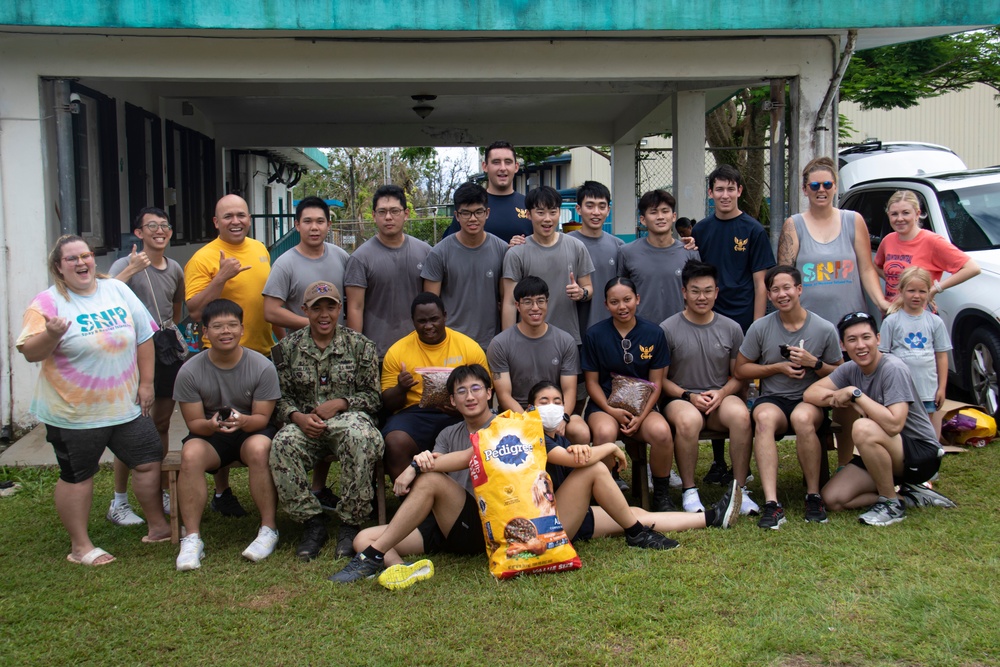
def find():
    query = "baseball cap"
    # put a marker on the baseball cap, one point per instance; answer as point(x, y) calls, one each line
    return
point(321, 290)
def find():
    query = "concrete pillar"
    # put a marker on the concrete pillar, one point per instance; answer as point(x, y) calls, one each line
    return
point(810, 138)
point(689, 153)
point(623, 199)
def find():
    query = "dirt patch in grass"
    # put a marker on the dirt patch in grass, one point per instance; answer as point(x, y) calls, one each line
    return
point(275, 595)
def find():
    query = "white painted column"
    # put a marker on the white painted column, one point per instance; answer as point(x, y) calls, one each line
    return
point(689, 153)
point(623, 199)
point(806, 142)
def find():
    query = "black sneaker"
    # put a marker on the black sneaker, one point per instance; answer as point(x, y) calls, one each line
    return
point(345, 540)
point(650, 539)
point(358, 568)
point(918, 495)
point(227, 504)
point(815, 509)
point(314, 536)
point(327, 498)
point(718, 474)
point(772, 516)
point(661, 502)
point(728, 506)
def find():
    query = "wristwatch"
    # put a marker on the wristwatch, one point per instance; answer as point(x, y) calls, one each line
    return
point(856, 394)
point(686, 395)
point(819, 365)
point(565, 417)
point(586, 293)
point(415, 466)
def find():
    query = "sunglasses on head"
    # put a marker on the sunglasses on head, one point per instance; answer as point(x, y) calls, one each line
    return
point(814, 185)
point(850, 319)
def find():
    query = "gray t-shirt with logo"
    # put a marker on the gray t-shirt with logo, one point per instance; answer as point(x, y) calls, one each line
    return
point(656, 273)
point(816, 335)
point(293, 272)
point(915, 340)
point(470, 284)
point(552, 264)
point(700, 354)
point(391, 278)
point(167, 285)
point(531, 360)
point(455, 438)
point(605, 253)
point(253, 378)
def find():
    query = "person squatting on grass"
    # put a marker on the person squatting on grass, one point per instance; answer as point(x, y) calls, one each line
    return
point(95, 390)
point(439, 512)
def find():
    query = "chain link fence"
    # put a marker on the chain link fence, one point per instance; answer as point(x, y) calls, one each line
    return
point(350, 234)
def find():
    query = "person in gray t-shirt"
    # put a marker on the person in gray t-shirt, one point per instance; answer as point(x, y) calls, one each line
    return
point(533, 350)
point(456, 438)
point(894, 437)
point(383, 275)
point(561, 261)
point(464, 269)
point(787, 351)
point(593, 204)
point(654, 263)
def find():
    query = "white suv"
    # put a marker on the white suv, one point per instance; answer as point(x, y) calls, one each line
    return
point(963, 207)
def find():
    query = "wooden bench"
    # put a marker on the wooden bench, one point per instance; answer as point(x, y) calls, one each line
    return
point(172, 466)
point(638, 452)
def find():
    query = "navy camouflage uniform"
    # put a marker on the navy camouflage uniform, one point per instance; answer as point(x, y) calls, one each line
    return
point(349, 369)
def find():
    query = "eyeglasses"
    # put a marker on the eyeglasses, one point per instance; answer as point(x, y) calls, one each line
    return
point(475, 390)
point(528, 303)
point(814, 185)
point(383, 212)
point(626, 355)
point(229, 326)
point(82, 257)
point(479, 213)
point(153, 226)
point(702, 292)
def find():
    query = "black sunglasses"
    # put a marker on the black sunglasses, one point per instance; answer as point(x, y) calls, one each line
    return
point(850, 319)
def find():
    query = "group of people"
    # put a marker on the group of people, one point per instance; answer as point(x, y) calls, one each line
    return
point(399, 351)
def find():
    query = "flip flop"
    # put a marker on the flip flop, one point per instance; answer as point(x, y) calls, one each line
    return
point(91, 557)
point(146, 539)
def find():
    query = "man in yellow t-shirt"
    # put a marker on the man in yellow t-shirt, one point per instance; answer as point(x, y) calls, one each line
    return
point(412, 429)
point(232, 267)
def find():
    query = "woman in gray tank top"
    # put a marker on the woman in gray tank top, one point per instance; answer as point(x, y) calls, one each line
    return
point(831, 249)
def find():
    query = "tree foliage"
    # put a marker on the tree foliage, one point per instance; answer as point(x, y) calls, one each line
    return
point(899, 76)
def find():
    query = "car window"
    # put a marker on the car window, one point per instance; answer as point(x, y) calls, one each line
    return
point(973, 216)
point(871, 204)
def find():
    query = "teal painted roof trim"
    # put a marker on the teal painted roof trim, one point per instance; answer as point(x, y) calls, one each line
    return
point(593, 16)
point(318, 156)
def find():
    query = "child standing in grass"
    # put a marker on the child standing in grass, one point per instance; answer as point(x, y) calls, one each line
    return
point(919, 337)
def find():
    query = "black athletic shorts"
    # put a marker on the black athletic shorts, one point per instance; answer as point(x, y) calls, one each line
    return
point(920, 462)
point(78, 451)
point(465, 537)
point(227, 445)
point(786, 405)
point(164, 377)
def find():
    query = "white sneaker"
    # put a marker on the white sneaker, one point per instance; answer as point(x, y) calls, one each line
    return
point(748, 506)
point(675, 481)
point(192, 551)
point(166, 503)
point(691, 501)
point(263, 546)
point(123, 515)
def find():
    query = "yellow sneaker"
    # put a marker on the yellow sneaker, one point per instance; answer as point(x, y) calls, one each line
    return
point(405, 575)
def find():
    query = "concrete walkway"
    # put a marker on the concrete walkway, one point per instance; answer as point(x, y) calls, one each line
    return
point(34, 450)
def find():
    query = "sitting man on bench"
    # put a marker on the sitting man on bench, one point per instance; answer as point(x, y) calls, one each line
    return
point(787, 351)
point(227, 394)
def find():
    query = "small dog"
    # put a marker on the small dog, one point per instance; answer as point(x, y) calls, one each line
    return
point(543, 495)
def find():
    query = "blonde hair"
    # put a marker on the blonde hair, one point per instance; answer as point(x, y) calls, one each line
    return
point(909, 274)
point(819, 164)
point(907, 196)
point(55, 260)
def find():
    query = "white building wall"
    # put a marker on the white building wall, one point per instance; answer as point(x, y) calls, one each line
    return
point(967, 121)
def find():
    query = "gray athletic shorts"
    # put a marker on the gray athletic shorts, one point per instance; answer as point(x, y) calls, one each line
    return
point(78, 451)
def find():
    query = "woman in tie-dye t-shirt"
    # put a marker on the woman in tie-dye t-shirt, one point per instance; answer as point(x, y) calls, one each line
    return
point(93, 338)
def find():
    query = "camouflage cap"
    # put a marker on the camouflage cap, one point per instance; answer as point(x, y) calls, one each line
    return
point(321, 290)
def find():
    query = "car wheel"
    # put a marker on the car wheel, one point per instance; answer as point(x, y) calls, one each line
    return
point(983, 363)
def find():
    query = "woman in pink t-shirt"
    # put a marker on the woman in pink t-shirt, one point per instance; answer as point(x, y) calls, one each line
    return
point(910, 245)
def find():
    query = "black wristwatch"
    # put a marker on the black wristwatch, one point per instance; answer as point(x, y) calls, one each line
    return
point(565, 417)
point(819, 365)
point(586, 293)
point(416, 467)
point(685, 395)
point(856, 394)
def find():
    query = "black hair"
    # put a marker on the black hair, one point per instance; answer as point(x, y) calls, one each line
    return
point(423, 299)
point(655, 199)
point(543, 197)
point(684, 222)
point(499, 145)
point(695, 269)
point(471, 193)
point(775, 271)
point(725, 172)
point(463, 373)
point(850, 319)
point(619, 280)
point(312, 202)
point(149, 210)
point(594, 190)
point(538, 387)
point(530, 286)
point(218, 308)
point(391, 191)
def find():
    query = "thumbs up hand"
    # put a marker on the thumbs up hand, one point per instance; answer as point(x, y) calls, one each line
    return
point(405, 379)
point(138, 261)
point(573, 289)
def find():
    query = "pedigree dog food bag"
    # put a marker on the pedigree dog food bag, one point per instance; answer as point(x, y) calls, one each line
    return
point(517, 504)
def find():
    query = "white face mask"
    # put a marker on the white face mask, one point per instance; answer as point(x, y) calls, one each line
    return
point(551, 414)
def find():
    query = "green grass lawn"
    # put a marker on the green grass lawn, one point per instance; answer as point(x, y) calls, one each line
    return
point(923, 592)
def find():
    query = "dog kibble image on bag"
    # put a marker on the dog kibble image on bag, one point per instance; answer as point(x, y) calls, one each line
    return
point(516, 503)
